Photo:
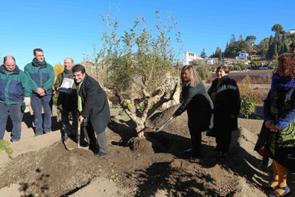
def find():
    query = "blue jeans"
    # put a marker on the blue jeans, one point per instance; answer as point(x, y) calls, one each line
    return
point(16, 116)
point(37, 103)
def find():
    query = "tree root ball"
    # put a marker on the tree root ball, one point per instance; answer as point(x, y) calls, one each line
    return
point(141, 146)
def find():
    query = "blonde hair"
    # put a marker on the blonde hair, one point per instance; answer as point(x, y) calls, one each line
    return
point(195, 78)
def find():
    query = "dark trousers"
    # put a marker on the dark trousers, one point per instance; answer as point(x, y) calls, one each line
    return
point(223, 139)
point(37, 104)
point(100, 142)
point(196, 137)
point(69, 129)
point(16, 116)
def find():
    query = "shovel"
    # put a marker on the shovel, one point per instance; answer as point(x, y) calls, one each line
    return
point(79, 138)
point(148, 129)
point(160, 128)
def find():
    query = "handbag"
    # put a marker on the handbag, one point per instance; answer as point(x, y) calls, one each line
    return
point(261, 141)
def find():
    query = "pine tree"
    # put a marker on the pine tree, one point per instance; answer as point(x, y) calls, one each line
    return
point(241, 37)
point(233, 38)
point(203, 54)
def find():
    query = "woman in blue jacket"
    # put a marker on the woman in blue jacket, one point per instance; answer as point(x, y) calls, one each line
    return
point(279, 117)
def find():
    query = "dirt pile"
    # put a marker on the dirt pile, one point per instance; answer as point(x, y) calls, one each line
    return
point(155, 166)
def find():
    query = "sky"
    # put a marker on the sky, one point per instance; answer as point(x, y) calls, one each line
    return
point(70, 28)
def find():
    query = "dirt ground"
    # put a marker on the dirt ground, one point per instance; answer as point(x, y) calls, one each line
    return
point(155, 166)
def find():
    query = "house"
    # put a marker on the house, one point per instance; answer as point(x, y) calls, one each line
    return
point(210, 61)
point(292, 31)
point(189, 58)
point(242, 55)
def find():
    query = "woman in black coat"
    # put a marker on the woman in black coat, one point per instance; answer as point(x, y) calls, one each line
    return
point(195, 99)
point(225, 95)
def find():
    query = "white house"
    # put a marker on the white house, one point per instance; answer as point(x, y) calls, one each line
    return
point(292, 31)
point(188, 57)
point(242, 55)
point(210, 61)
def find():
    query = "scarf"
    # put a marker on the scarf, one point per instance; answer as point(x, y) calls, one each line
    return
point(67, 73)
point(279, 83)
point(36, 63)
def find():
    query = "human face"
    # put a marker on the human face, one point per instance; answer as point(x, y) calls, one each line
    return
point(68, 64)
point(185, 75)
point(79, 76)
point(39, 55)
point(9, 64)
point(221, 73)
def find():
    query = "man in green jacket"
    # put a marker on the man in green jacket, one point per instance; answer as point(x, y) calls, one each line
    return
point(14, 85)
point(67, 101)
point(41, 76)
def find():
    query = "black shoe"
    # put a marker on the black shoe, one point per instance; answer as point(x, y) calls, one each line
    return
point(100, 154)
point(190, 150)
point(12, 141)
point(223, 154)
point(268, 187)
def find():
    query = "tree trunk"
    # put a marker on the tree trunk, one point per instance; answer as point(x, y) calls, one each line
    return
point(140, 127)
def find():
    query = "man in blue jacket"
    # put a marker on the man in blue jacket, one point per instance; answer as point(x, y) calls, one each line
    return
point(41, 76)
point(14, 85)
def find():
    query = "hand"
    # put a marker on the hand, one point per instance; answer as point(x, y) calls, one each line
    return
point(57, 88)
point(268, 123)
point(273, 128)
point(69, 92)
point(173, 116)
point(40, 91)
point(81, 118)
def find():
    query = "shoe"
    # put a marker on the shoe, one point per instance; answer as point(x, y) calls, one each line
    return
point(188, 150)
point(287, 191)
point(12, 140)
point(100, 154)
point(37, 134)
point(223, 154)
point(268, 187)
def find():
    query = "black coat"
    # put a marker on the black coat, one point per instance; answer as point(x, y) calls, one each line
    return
point(198, 105)
point(95, 104)
point(227, 103)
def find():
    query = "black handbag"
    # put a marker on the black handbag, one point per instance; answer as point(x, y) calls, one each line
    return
point(262, 139)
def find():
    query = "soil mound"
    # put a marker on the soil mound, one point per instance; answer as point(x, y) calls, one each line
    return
point(52, 171)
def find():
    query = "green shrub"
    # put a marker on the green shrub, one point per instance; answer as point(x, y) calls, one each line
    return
point(247, 105)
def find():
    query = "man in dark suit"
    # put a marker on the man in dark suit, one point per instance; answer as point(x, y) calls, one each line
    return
point(92, 106)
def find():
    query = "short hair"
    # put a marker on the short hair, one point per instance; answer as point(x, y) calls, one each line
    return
point(77, 68)
point(70, 59)
point(195, 78)
point(5, 58)
point(38, 49)
point(286, 65)
point(224, 68)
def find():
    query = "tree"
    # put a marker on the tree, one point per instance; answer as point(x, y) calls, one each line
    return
point(241, 37)
point(139, 65)
point(233, 38)
point(203, 54)
point(58, 68)
point(233, 48)
point(250, 38)
point(204, 71)
point(277, 28)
